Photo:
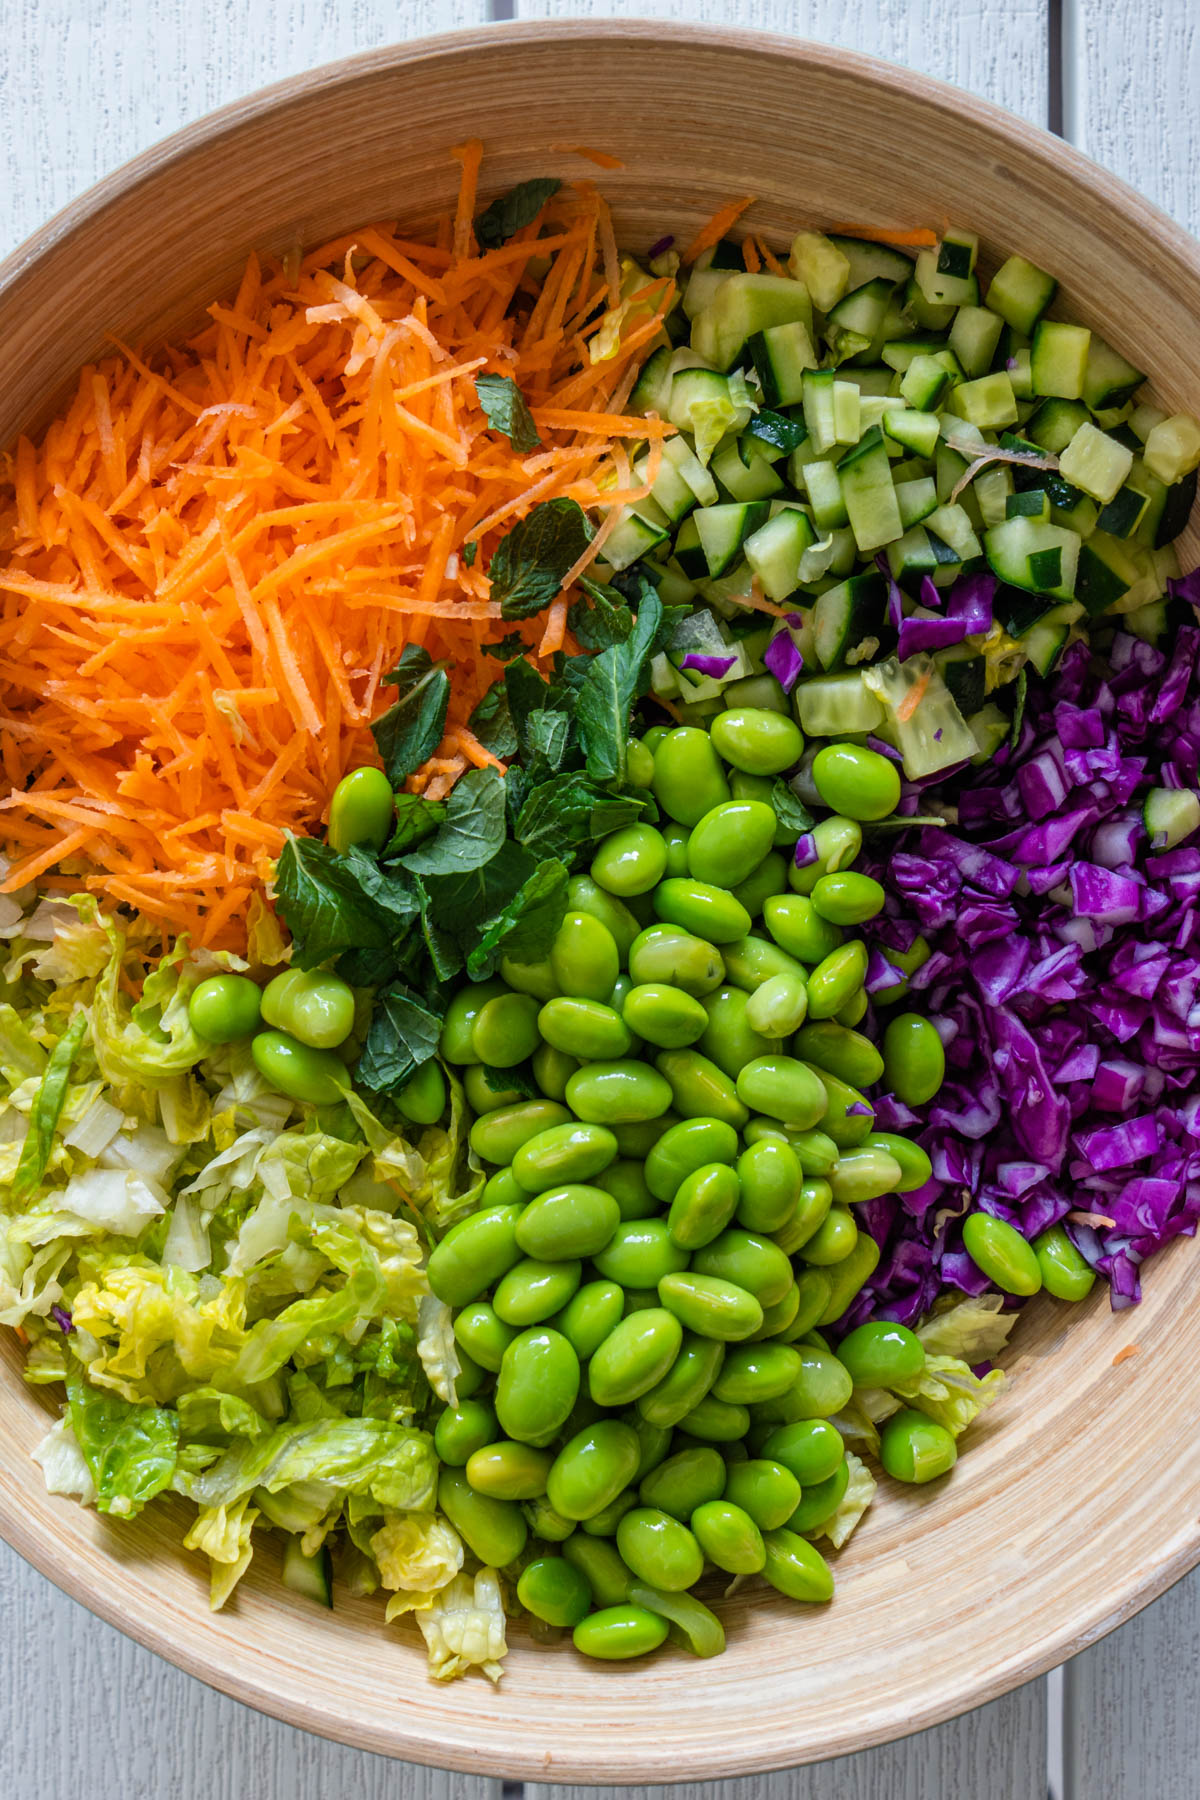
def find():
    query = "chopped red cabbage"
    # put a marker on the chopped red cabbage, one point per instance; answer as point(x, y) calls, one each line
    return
point(784, 660)
point(716, 666)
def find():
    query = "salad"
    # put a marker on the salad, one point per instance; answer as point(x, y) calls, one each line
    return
point(600, 873)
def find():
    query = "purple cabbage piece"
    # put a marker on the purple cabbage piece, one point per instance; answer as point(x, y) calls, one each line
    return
point(62, 1319)
point(784, 660)
point(716, 666)
point(660, 247)
point(806, 852)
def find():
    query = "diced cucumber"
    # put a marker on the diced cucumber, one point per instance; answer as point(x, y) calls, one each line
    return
point(988, 402)
point(924, 382)
point(1173, 448)
point(974, 336)
point(1028, 553)
point(775, 550)
point(916, 499)
point(758, 480)
point(871, 262)
point(847, 413)
point(843, 553)
point(674, 587)
point(724, 529)
point(702, 288)
point(780, 356)
point(742, 306)
point(1107, 572)
point(688, 553)
point(929, 315)
point(664, 679)
point(632, 539)
point(965, 678)
point(758, 691)
point(680, 453)
point(934, 735)
point(1178, 501)
point(953, 526)
point(1020, 373)
point(1125, 511)
point(1058, 359)
point(1095, 462)
point(821, 266)
point(867, 489)
point(773, 434)
point(848, 616)
point(1020, 292)
point(311, 1576)
point(942, 289)
point(1034, 503)
point(833, 705)
point(708, 405)
point(1016, 610)
point(993, 489)
point(670, 492)
point(1045, 642)
point(957, 252)
point(870, 380)
point(1148, 622)
point(653, 384)
point(903, 353)
point(1170, 815)
point(1109, 379)
point(1144, 418)
point(917, 431)
point(859, 316)
point(818, 409)
point(990, 728)
point(915, 554)
point(1055, 423)
point(825, 493)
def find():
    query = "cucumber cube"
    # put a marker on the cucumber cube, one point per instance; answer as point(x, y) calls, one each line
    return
point(940, 288)
point(821, 266)
point(847, 412)
point(1020, 292)
point(1173, 447)
point(825, 493)
point(866, 479)
point(1058, 359)
point(924, 382)
point(775, 549)
point(988, 403)
point(956, 254)
point(1099, 465)
point(1109, 380)
point(916, 431)
point(974, 336)
point(742, 305)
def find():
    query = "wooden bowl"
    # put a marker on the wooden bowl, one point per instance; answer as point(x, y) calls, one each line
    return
point(1075, 1503)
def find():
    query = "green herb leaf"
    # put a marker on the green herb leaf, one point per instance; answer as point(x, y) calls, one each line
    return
point(609, 688)
point(1018, 719)
point(403, 1034)
point(416, 819)
point(505, 649)
point(528, 925)
point(47, 1105)
point(501, 1081)
point(468, 553)
point(548, 737)
point(463, 903)
point(602, 619)
point(569, 811)
point(792, 814)
point(130, 1450)
point(527, 569)
point(508, 213)
point(409, 732)
point(445, 953)
point(473, 829)
point(492, 722)
point(504, 404)
point(333, 903)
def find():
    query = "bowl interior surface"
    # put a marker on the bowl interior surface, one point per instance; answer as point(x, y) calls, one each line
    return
point(1073, 1505)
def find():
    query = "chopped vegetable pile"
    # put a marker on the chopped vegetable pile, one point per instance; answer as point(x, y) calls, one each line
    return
point(753, 709)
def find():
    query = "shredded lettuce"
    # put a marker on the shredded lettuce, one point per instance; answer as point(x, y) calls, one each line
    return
point(463, 1627)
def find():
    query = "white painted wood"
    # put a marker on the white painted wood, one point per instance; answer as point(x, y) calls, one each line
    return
point(995, 1753)
point(998, 48)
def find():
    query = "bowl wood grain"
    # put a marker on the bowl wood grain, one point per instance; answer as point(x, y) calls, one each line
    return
point(1077, 1501)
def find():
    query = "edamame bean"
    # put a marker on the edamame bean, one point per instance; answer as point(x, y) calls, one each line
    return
point(914, 1062)
point(864, 1174)
point(915, 1448)
point(362, 810)
point(717, 1421)
point(833, 1240)
point(686, 1147)
point(691, 1625)
point(473, 1254)
point(618, 1093)
point(552, 1069)
point(848, 1115)
point(729, 1537)
point(813, 1287)
point(639, 1253)
point(470, 1377)
point(811, 1211)
point(588, 1030)
point(848, 898)
point(618, 1633)
point(754, 1372)
point(915, 1166)
point(797, 927)
point(584, 957)
point(712, 1306)
point(675, 837)
point(662, 955)
point(463, 1429)
point(784, 1089)
point(587, 896)
point(637, 1137)
point(699, 907)
point(505, 1032)
point(503, 1189)
point(770, 1182)
point(634, 1356)
point(855, 781)
point(600, 1565)
point(545, 1523)
point(494, 1530)
point(777, 1318)
point(592, 1468)
point(769, 1491)
point(685, 1481)
point(509, 1471)
point(498, 1136)
point(589, 1315)
point(730, 841)
point(688, 778)
point(554, 1592)
point(566, 1222)
point(832, 1049)
point(756, 740)
point(796, 1568)
point(821, 1389)
point(631, 861)
point(533, 1291)
point(778, 1007)
point(626, 1182)
point(837, 842)
point(1004, 1256)
point(664, 1015)
point(821, 1500)
point(698, 1088)
point(749, 1261)
point(316, 1077)
point(854, 1011)
point(753, 960)
point(880, 1353)
point(836, 979)
point(655, 1441)
point(815, 1152)
point(704, 1203)
point(811, 1448)
point(483, 1334)
point(1065, 1273)
point(536, 1386)
point(849, 1276)
point(456, 1044)
point(422, 1099)
point(659, 1549)
point(604, 1523)
point(535, 978)
point(685, 1384)
point(639, 763)
point(760, 885)
point(562, 1154)
point(223, 1008)
point(728, 1039)
point(482, 1086)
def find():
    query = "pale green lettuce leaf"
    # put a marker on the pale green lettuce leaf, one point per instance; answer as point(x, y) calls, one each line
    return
point(437, 1347)
point(130, 1450)
point(393, 1464)
point(464, 1627)
point(63, 1464)
point(418, 1552)
point(860, 1491)
point(223, 1533)
point(974, 1329)
point(948, 1391)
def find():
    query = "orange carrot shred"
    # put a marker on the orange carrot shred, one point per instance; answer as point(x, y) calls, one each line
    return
point(556, 627)
point(913, 698)
point(721, 222)
point(1125, 1352)
point(601, 158)
point(470, 155)
point(918, 238)
point(750, 255)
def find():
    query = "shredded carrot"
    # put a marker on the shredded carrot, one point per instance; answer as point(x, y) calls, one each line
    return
point(210, 560)
point(913, 698)
point(770, 261)
point(721, 222)
point(601, 158)
point(1125, 1352)
point(750, 255)
point(919, 238)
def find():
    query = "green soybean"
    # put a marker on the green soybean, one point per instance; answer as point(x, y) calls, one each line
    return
point(638, 1137)
point(833, 1240)
point(757, 740)
point(315, 1007)
point(545, 1523)
point(567, 1222)
point(508, 1471)
point(592, 1468)
point(483, 1334)
point(728, 1039)
point(470, 1377)
point(712, 1306)
point(849, 1276)
point(770, 1180)
point(552, 1069)
point(655, 1441)
point(915, 1448)
point(456, 1043)
point(837, 842)
point(880, 1353)
point(663, 955)
point(481, 1085)
point(463, 1429)
point(754, 1372)
point(554, 1592)
point(536, 1386)
point(618, 1093)
point(777, 1318)
point(533, 1291)
point(848, 898)
point(589, 1315)
point(820, 1500)
point(768, 879)
point(589, 1030)
point(748, 1260)
point(316, 1077)
point(1004, 1256)
point(618, 1633)
point(634, 1356)
point(604, 1523)
point(675, 837)
point(914, 1062)
point(797, 927)
point(686, 1147)
point(1065, 1273)
point(631, 861)
point(729, 1537)
point(639, 1253)
point(222, 1008)
point(362, 810)
point(796, 1568)
point(586, 896)
point(856, 782)
point(913, 1162)
point(754, 960)
point(535, 978)
point(821, 1389)
point(704, 1203)
point(473, 1254)
point(813, 1289)
point(730, 841)
point(568, 1153)
point(832, 1049)
point(812, 1449)
point(784, 1089)
point(685, 1481)
point(848, 1115)
point(659, 1549)
point(779, 1007)
point(699, 1089)
point(494, 1530)
point(505, 1032)
point(598, 1562)
point(769, 1491)
point(864, 1174)
point(639, 763)
point(854, 1011)
point(664, 1015)
point(498, 1136)
point(503, 1189)
point(688, 778)
point(584, 957)
point(808, 1216)
point(422, 1099)
point(686, 1382)
point(691, 1624)
point(835, 979)
point(625, 1180)
point(700, 907)
point(717, 1421)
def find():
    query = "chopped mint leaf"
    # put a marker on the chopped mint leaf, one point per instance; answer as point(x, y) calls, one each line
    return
point(504, 404)
point(528, 925)
point(507, 648)
point(565, 814)
point(409, 732)
point(508, 213)
point(609, 688)
point(403, 1034)
point(463, 903)
point(468, 553)
point(472, 831)
point(492, 722)
point(602, 619)
point(416, 819)
point(791, 812)
point(527, 569)
point(333, 903)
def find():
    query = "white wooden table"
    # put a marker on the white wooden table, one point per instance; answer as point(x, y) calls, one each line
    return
point(83, 85)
